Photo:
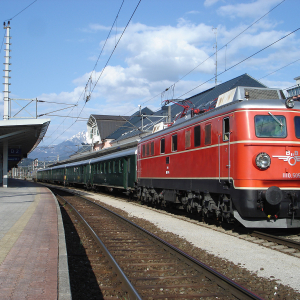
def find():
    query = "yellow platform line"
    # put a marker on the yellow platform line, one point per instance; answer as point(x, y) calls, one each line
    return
point(9, 239)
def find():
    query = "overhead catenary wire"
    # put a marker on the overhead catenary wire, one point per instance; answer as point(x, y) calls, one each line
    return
point(279, 69)
point(116, 46)
point(213, 54)
point(21, 11)
point(231, 40)
point(13, 18)
point(102, 69)
point(242, 61)
point(83, 91)
point(70, 125)
point(105, 42)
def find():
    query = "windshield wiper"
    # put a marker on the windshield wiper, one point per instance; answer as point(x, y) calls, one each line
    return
point(276, 119)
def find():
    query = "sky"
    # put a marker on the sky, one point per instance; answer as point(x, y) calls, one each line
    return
point(56, 46)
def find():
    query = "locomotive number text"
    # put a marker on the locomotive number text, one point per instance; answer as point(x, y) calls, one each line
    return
point(291, 175)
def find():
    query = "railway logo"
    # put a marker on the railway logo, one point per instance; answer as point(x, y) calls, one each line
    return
point(291, 158)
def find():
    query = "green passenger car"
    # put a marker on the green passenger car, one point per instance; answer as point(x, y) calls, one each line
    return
point(114, 170)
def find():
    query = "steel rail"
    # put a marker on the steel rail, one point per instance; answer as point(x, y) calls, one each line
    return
point(227, 284)
point(125, 282)
point(277, 240)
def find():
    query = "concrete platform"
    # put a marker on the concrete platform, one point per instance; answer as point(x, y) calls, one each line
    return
point(33, 258)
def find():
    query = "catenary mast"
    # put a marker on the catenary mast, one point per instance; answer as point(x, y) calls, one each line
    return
point(6, 72)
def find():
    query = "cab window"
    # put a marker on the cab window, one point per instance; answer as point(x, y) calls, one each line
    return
point(297, 127)
point(197, 136)
point(187, 139)
point(162, 146)
point(152, 148)
point(226, 129)
point(270, 126)
point(207, 139)
point(174, 142)
point(143, 151)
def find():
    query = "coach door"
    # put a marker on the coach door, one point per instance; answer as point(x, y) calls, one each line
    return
point(126, 171)
point(92, 172)
point(86, 173)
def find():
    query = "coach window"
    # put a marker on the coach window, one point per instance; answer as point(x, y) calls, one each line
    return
point(162, 146)
point(128, 165)
point(109, 167)
point(226, 129)
point(152, 148)
point(297, 127)
point(187, 139)
point(144, 152)
point(101, 168)
point(120, 166)
point(267, 126)
point(207, 134)
point(104, 166)
point(147, 149)
point(197, 136)
point(174, 142)
point(114, 166)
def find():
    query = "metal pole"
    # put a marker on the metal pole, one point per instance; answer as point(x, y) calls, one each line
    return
point(216, 77)
point(6, 73)
point(5, 162)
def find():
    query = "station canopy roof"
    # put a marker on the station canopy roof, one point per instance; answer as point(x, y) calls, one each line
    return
point(23, 136)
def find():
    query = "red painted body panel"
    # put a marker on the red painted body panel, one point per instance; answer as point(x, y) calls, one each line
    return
point(212, 160)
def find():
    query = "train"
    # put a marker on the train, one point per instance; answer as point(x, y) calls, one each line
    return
point(238, 161)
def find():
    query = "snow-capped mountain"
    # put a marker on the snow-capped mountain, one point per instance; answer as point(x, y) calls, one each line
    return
point(61, 151)
point(80, 137)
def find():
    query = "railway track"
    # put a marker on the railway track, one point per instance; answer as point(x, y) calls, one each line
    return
point(143, 266)
point(286, 244)
point(276, 242)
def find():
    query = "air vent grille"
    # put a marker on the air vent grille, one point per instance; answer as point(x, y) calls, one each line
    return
point(262, 94)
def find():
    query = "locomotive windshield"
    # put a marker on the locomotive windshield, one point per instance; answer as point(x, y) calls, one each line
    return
point(270, 126)
point(297, 127)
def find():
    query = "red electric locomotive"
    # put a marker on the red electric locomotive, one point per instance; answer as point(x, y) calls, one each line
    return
point(240, 160)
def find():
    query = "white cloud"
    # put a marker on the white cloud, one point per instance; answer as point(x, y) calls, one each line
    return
point(210, 2)
point(63, 97)
point(193, 12)
point(277, 84)
point(166, 52)
point(98, 27)
point(156, 57)
point(254, 9)
point(150, 59)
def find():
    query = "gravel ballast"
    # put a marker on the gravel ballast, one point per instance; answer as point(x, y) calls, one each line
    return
point(264, 262)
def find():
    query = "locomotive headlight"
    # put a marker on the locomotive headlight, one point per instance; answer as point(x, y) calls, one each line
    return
point(263, 161)
point(289, 103)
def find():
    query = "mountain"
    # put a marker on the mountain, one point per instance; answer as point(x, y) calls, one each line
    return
point(61, 151)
